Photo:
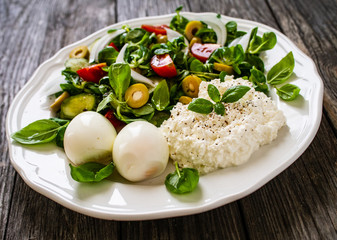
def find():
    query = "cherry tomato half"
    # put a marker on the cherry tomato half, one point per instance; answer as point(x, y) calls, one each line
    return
point(114, 46)
point(118, 124)
point(163, 65)
point(155, 29)
point(203, 51)
point(92, 73)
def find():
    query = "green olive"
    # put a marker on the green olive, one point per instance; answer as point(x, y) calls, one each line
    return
point(192, 28)
point(161, 38)
point(185, 100)
point(194, 40)
point(190, 85)
point(137, 95)
point(80, 52)
point(58, 101)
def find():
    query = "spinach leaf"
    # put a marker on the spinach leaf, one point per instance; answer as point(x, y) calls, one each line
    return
point(138, 56)
point(213, 93)
point(233, 94)
point(282, 70)
point(259, 80)
point(144, 110)
point(232, 32)
point(120, 77)
point(207, 35)
point(40, 131)
point(222, 76)
point(108, 55)
point(178, 23)
point(201, 105)
point(182, 181)
point(232, 56)
point(219, 108)
point(159, 117)
point(288, 92)
point(258, 44)
point(91, 172)
point(105, 103)
point(161, 96)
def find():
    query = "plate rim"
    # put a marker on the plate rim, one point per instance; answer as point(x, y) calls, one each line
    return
point(165, 213)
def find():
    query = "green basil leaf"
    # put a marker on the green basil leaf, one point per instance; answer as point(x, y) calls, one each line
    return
point(288, 92)
point(60, 121)
point(105, 102)
point(91, 172)
point(232, 56)
point(144, 110)
point(282, 70)
point(222, 76)
point(161, 96)
point(60, 136)
point(219, 108)
point(40, 131)
point(182, 181)
point(200, 105)
point(233, 94)
point(108, 55)
point(197, 66)
point(159, 117)
point(259, 80)
point(120, 77)
point(258, 44)
point(213, 93)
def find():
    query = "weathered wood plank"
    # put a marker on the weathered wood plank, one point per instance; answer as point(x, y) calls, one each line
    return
point(312, 25)
point(300, 202)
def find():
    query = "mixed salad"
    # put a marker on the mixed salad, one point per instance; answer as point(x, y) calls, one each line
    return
point(133, 74)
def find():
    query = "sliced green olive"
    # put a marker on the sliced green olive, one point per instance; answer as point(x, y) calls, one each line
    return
point(194, 40)
point(58, 101)
point(80, 52)
point(190, 85)
point(161, 38)
point(137, 95)
point(192, 28)
point(185, 100)
point(223, 67)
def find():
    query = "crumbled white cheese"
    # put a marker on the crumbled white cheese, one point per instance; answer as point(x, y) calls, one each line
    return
point(209, 142)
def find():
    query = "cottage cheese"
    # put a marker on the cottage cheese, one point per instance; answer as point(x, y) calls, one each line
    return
point(209, 142)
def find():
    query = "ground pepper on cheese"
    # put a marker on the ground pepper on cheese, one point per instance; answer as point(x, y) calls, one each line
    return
point(209, 142)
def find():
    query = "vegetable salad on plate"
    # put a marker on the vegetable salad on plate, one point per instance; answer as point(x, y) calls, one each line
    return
point(119, 89)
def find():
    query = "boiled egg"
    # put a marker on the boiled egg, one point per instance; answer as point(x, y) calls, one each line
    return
point(140, 151)
point(89, 137)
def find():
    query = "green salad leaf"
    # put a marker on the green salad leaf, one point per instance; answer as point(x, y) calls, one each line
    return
point(178, 22)
point(232, 32)
point(288, 92)
point(182, 181)
point(233, 94)
point(161, 96)
point(259, 80)
point(107, 55)
point(282, 70)
point(40, 131)
point(201, 105)
point(120, 77)
point(258, 44)
point(91, 172)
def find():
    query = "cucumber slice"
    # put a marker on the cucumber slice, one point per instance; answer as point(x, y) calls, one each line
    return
point(76, 63)
point(77, 104)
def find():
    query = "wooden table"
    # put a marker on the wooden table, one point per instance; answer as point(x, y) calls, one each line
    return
point(300, 203)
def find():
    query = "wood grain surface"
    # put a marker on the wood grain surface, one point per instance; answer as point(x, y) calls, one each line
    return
point(300, 203)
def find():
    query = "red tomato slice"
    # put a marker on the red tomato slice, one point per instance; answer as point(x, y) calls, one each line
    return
point(118, 124)
point(203, 51)
point(93, 73)
point(163, 65)
point(114, 46)
point(155, 29)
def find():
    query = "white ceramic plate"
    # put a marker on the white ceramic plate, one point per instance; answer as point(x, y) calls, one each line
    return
point(45, 168)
